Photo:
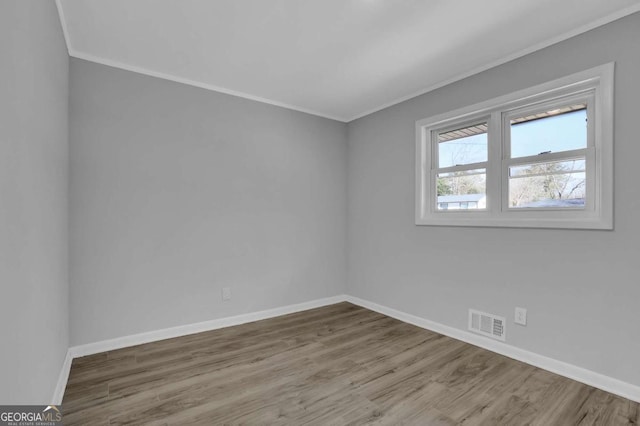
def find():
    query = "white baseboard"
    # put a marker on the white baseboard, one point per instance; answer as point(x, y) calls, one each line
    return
point(591, 378)
point(63, 377)
point(183, 330)
point(600, 381)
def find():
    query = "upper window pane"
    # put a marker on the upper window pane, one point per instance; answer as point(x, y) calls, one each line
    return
point(466, 145)
point(557, 130)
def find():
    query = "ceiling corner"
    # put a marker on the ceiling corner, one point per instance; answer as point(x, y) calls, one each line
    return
point(63, 24)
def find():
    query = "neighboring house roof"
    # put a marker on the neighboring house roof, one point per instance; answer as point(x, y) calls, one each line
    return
point(575, 202)
point(460, 198)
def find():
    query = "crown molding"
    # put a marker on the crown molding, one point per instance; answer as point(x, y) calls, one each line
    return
point(199, 84)
point(539, 46)
point(63, 24)
point(141, 70)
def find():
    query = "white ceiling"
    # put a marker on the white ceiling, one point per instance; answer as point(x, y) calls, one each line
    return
point(335, 58)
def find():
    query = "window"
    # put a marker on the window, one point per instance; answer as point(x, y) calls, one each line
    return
point(541, 157)
point(461, 172)
point(555, 176)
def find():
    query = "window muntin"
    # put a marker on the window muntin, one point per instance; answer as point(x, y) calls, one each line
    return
point(570, 180)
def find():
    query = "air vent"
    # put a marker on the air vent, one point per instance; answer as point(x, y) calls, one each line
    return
point(487, 324)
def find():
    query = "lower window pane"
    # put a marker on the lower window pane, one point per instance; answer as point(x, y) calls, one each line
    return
point(462, 190)
point(557, 184)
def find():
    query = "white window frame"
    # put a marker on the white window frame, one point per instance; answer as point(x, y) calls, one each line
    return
point(594, 87)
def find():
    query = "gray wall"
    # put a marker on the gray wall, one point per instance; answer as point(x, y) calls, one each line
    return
point(581, 287)
point(33, 201)
point(177, 192)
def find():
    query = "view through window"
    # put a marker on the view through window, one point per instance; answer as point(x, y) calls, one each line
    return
point(549, 184)
point(461, 186)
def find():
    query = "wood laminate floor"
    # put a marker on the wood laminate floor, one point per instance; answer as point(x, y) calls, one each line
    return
point(335, 365)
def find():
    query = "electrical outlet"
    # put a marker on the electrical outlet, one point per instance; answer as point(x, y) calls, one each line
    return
point(521, 316)
point(226, 293)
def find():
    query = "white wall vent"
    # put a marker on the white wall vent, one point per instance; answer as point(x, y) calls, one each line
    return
point(487, 324)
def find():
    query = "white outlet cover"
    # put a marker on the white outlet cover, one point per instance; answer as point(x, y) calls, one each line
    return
point(521, 316)
point(226, 293)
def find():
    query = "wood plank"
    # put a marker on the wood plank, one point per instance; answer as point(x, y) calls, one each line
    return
point(339, 364)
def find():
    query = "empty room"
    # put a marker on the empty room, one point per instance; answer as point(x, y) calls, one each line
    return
point(328, 212)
